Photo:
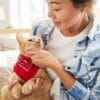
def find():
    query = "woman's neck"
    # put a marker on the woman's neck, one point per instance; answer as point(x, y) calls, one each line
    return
point(78, 27)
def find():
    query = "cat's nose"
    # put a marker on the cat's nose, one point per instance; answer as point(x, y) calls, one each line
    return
point(38, 41)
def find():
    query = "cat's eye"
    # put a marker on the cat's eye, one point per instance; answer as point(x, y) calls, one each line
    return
point(30, 40)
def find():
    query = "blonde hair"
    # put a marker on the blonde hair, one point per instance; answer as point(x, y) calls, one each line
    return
point(80, 4)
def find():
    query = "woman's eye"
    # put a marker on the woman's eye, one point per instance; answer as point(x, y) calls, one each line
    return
point(56, 9)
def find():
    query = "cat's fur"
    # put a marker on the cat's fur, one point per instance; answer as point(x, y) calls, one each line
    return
point(19, 90)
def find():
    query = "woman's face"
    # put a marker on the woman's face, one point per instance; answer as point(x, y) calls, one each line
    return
point(63, 13)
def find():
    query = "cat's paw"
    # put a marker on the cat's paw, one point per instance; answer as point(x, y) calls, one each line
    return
point(27, 87)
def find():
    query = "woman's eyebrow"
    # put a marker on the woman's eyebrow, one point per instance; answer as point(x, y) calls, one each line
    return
point(54, 2)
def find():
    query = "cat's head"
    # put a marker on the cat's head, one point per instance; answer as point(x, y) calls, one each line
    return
point(29, 43)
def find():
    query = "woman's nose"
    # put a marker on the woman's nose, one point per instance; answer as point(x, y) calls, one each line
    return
point(51, 14)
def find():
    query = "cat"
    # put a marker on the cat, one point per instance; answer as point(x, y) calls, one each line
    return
point(25, 72)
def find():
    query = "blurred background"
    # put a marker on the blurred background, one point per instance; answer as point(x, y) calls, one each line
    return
point(21, 13)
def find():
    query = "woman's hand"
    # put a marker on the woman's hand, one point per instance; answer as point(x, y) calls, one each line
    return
point(42, 58)
point(46, 59)
point(12, 83)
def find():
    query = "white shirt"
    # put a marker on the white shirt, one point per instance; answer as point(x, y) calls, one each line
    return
point(63, 47)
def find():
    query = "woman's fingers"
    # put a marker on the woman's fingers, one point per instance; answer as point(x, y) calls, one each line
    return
point(31, 52)
point(38, 84)
point(43, 58)
point(12, 83)
point(32, 86)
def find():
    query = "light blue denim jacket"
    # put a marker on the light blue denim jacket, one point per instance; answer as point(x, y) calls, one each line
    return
point(85, 66)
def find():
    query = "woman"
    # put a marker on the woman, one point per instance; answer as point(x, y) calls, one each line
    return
point(72, 50)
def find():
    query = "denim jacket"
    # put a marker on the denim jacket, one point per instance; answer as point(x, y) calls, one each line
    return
point(85, 66)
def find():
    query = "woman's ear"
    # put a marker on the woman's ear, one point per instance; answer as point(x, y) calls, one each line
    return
point(87, 6)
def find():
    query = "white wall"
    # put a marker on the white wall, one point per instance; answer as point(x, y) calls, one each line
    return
point(4, 5)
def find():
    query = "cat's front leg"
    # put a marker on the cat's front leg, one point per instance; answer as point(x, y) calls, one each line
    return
point(16, 91)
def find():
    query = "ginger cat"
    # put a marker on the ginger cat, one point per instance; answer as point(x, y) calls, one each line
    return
point(26, 72)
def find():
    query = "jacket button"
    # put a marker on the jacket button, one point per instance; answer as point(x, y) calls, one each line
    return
point(69, 67)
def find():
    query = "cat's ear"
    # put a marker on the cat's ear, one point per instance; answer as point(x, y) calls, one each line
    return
point(20, 39)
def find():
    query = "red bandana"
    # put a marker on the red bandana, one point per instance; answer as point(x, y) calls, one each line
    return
point(24, 68)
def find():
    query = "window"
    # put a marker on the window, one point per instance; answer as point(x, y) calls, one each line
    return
point(23, 13)
point(98, 4)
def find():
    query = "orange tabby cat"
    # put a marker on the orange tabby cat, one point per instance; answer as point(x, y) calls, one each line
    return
point(26, 72)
